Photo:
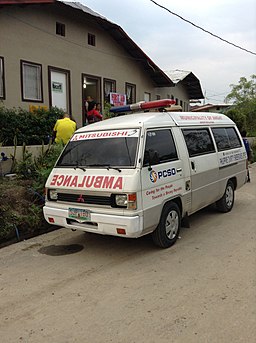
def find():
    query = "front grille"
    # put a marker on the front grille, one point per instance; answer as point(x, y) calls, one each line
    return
point(85, 199)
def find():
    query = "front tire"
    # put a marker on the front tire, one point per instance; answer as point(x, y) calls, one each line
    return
point(226, 203)
point(167, 231)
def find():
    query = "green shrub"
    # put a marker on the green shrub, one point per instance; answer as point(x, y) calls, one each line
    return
point(44, 165)
point(21, 200)
point(30, 128)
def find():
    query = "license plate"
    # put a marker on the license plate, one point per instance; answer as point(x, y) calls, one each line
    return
point(79, 214)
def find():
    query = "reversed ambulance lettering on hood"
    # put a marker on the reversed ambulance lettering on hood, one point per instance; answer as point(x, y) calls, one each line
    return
point(106, 182)
point(105, 134)
point(231, 157)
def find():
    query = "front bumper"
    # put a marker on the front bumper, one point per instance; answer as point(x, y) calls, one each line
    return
point(105, 224)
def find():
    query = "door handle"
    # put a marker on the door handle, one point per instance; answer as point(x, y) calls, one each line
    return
point(193, 166)
point(179, 170)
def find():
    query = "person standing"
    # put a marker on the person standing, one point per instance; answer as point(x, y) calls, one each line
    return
point(64, 129)
point(248, 152)
point(89, 104)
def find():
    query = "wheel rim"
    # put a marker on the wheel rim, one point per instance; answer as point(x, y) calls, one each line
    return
point(229, 196)
point(172, 224)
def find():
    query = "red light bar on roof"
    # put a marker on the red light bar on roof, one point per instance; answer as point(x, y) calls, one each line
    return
point(143, 106)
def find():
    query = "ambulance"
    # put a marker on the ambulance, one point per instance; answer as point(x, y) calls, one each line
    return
point(146, 172)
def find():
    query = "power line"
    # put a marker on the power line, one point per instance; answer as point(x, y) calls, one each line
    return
point(199, 27)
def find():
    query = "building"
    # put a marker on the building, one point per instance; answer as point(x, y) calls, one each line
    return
point(186, 88)
point(215, 108)
point(56, 53)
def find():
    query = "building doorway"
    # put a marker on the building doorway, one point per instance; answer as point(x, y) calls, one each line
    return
point(91, 86)
point(59, 87)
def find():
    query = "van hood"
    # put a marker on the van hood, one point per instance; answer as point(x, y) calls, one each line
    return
point(91, 179)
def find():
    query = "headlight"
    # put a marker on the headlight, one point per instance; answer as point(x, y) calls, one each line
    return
point(128, 201)
point(121, 200)
point(52, 194)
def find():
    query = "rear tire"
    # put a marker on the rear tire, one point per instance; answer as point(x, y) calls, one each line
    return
point(167, 231)
point(226, 203)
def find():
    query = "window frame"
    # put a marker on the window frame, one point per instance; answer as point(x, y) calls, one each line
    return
point(206, 152)
point(60, 29)
point(147, 95)
point(91, 39)
point(2, 77)
point(229, 147)
point(113, 88)
point(40, 81)
point(133, 92)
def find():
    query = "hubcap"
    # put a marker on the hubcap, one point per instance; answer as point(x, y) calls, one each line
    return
point(229, 196)
point(172, 224)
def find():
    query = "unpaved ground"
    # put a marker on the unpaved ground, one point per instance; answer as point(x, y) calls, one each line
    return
point(67, 286)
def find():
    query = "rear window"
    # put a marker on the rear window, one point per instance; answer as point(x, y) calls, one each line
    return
point(226, 138)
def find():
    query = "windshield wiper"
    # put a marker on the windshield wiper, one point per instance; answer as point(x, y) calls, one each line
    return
point(115, 168)
point(108, 166)
point(79, 167)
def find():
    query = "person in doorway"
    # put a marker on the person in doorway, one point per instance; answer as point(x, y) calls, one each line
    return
point(98, 107)
point(64, 129)
point(248, 152)
point(89, 103)
point(93, 115)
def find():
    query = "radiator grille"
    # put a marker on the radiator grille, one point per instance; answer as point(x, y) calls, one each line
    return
point(85, 199)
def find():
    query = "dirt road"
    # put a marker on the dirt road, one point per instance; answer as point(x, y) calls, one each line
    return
point(67, 286)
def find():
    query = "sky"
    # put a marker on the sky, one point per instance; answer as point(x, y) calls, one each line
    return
point(173, 43)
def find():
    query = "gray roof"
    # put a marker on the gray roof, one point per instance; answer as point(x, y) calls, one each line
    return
point(189, 80)
point(177, 75)
point(159, 78)
point(83, 8)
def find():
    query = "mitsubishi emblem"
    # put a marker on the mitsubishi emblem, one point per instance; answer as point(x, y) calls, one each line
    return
point(80, 198)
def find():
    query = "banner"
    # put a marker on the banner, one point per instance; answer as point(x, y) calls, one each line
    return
point(117, 99)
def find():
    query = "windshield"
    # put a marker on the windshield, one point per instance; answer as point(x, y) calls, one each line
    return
point(112, 148)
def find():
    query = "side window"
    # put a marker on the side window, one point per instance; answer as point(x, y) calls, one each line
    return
point(160, 147)
point(226, 138)
point(198, 141)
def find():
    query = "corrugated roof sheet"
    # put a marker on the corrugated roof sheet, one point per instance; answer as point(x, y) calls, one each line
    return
point(188, 80)
point(177, 75)
point(83, 8)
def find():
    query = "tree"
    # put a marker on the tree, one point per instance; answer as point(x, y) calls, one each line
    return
point(243, 96)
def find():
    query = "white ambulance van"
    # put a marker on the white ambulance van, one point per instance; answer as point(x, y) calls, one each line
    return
point(142, 173)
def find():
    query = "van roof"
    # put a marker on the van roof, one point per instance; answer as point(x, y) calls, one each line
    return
point(153, 119)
